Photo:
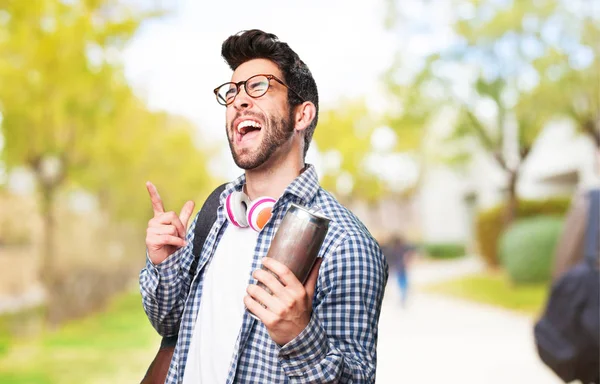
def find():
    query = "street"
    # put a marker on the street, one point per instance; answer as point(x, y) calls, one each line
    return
point(439, 339)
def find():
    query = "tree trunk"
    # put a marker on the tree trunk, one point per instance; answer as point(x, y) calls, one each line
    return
point(50, 174)
point(47, 263)
point(512, 201)
point(593, 130)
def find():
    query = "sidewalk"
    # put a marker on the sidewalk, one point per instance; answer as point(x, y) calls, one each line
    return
point(439, 339)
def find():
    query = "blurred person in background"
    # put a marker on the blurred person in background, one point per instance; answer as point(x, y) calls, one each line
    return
point(322, 331)
point(400, 255)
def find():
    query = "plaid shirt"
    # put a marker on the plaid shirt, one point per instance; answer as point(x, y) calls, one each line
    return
point(338, 345)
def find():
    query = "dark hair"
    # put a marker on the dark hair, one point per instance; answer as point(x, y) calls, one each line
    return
point(256, 44)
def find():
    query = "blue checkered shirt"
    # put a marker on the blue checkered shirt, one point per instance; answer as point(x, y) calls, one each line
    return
point(340, 342)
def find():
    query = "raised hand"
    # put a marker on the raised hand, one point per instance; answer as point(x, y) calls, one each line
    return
point(166, 230)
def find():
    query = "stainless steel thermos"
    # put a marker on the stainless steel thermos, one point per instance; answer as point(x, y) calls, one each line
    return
point(298, 239)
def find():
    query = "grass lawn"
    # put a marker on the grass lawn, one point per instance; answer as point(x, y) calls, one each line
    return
point(494, 288)
point(115, 346)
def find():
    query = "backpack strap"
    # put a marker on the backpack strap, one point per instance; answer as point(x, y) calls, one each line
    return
point(592, 234)
point(206, 218)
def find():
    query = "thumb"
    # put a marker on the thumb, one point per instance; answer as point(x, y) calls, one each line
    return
point(311, 281)
point(186, 213)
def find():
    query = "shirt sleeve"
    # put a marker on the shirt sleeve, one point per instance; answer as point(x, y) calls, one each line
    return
point(339, 345)
point(165, 286)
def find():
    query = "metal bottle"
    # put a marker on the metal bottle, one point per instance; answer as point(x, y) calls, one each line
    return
point(298, 239)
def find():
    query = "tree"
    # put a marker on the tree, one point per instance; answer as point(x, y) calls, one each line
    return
point(61, 85)
point(528, 62)
point(520, 124)
point(570, 71)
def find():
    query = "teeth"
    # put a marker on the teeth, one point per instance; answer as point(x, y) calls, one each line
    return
point(247, 123)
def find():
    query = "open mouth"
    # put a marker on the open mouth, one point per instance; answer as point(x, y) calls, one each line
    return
point(247, 129)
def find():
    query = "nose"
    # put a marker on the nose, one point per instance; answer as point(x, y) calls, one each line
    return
point(242, 100)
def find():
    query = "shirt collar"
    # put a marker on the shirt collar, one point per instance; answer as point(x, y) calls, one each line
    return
point(305, 186)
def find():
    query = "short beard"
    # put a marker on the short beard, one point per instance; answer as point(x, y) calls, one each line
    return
point(277, 133)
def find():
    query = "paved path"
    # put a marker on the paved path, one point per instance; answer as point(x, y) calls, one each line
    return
point(437, 339)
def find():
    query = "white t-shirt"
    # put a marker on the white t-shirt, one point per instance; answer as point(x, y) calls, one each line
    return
point(221, 308)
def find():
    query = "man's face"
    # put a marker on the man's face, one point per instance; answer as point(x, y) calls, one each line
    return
point(258, 127)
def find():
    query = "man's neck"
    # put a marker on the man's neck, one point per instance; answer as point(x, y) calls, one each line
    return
point(272, 180)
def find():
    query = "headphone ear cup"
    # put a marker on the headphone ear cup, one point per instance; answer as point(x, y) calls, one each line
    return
point(259, 212)
point(236, 205)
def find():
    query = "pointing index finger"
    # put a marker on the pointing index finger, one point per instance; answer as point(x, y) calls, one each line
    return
point(157, 204)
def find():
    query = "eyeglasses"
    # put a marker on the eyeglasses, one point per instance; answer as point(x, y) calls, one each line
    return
point(255, 86)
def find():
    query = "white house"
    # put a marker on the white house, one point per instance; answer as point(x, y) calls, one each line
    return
point(560, 161)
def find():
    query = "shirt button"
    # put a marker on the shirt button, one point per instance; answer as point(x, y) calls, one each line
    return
point(285, 357)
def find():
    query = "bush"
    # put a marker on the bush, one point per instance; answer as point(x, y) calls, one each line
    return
point(82, 289)
point(527, 248)
point(443, 250)
point(489, 223)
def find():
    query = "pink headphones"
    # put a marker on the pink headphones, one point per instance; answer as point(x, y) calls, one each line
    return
point(242, 212)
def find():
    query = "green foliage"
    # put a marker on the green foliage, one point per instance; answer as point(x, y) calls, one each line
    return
point(412, 106)
point(443, 250)
point(53, 95)
point(151, 146)
point(490, 223)
point(566, 67)
point(511, 68)
point(346, 133)
point(64, 96)
point(527, 249)
point(495, 289)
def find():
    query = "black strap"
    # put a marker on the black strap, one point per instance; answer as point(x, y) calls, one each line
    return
point(206, 218)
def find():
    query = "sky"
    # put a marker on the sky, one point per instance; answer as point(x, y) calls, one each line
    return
point(175, 62)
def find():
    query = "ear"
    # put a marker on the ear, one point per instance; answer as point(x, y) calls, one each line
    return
point(304, 115)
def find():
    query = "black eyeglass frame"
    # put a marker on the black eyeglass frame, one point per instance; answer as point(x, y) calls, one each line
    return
point(240, 83)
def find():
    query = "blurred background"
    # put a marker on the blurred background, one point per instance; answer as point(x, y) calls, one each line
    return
point(459, 129)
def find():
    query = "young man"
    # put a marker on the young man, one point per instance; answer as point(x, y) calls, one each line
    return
point(324, 330)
